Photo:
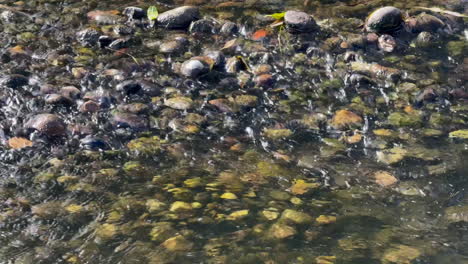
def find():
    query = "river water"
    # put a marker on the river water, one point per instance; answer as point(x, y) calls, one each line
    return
point(346, 153)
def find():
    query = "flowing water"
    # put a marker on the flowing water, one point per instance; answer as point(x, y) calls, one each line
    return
point(335, 160)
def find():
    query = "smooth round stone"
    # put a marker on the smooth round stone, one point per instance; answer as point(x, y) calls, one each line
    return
point(129, 87)
point(387, 43)
point(194, 68)
point(206, 26)
point(89, 107)
point(70, 92)
point(176, 46)
point(49, 124)
point(216, 56)
point(178, 18)
point(384, 20)
point(264, 80)
point(129, 120)
point(93, 143)
point(424, 22)
point(299, 22)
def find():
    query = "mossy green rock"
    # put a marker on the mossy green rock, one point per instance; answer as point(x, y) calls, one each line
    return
point(404, 120)
point(177, 243)
point(276, 134)
point(296, 217)
point(456, 214)
point(106, 232)
point(459, 134)
point(281, 231)
point(145, 145)
point(457, 48)
point(391, 156)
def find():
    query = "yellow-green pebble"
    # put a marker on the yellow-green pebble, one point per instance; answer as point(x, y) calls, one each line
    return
point(228, 196)
point(179, 206)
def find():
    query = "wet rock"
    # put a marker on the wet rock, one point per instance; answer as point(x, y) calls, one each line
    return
point(70, 92)
point(194, 68)
point(120, 43)
point(457, 48)
point(162, 231)
point(88, 37)
point(58, 99)
point(384, 20)
point(229, 28)
point(455, 214)
point(179, 103)
point(424, 22)
point(178, 18)
point(150, 88)
point(89, 107)
point(14, 81)
point(93, 143)
point(344, 118)
point(425, 40)
point(207, 26)
point(281, 231)
point(264, 80)
point(106, 232)
point(235, 65)
point(49, 124)
point(145, 145)
point(299, 22)
point(391, 156)
point(217, 57)
point(177, 46)
point(400, 254)
point(134, 108)
point(133, 12)
point(295, 217)
point(104, 41)
point(177, 243)
point(129, 87)
point(387, 43)
point(127, 120)
point(123, 30)
point(384, 179)
point(105, 17)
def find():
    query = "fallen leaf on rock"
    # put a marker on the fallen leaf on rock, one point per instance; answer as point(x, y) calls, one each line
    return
point(19, 142)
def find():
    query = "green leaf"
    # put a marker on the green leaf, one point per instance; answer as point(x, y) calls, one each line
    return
point(277, 16)
point(152, 13)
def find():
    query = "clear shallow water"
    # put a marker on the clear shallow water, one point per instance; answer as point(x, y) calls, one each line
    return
point(223, 187)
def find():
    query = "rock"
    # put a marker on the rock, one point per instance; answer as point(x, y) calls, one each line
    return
point(299, 22)
point(57, 99)
point(106, 232)
point(177, 243)
point(457, 48)
point(104, 41)
point(384, 179)
point(133, 12)
point(178, 18)
point(123, 30)
point(399, 119)
point(229, 28)
point(281, 231)
point(177, 46)
point(88, 37)
point(455, 214)
point(14, 81)
point(148, 146)
point(110, 17)
point(129, 87)
point(162, 231)
point(325, 219)
point(424, 22)
point(126, 120)
point(207, 26)
point(386, 43)
point(276, 133)
point(70, 92)
point(400, 254)
point(228, 196)
point(345, 118)
point(48, 124)
point(425, 40)
point(237, 215)
point(384, 20)
point(461, 134)
point(179, 206)
point(296, 217)
point(120, 43)
point(391, 156)
point(235, 65)
point(264, 80)
point(19, 143)
point(194, 68)
point(179, 103)
point(93, 143)
point(217, 57)
point(89, 107)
